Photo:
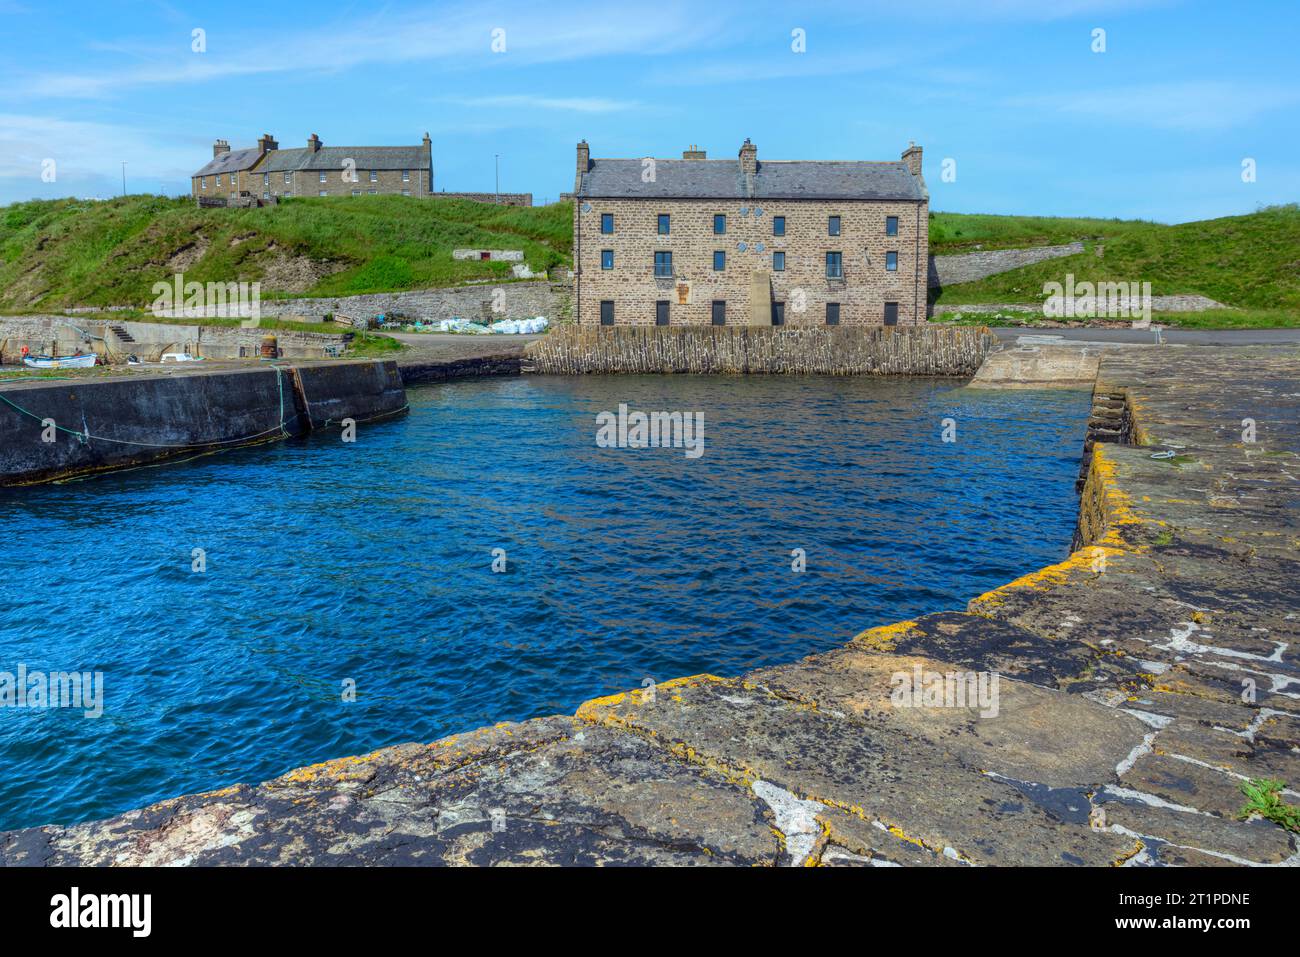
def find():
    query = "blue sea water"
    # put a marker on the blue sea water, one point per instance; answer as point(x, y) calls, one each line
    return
point(372, 562)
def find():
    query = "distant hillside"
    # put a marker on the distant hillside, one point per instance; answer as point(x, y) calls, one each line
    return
point(58, 253)
point(1249, 262)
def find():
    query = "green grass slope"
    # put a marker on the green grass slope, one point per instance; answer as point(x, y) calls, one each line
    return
point(59, 253)
point(1249, 262)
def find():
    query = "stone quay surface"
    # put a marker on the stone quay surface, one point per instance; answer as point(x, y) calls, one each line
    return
point(1142, 680)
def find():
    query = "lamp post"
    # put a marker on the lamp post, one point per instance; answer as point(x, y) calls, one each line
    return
point(498, 166)
point(123, 177)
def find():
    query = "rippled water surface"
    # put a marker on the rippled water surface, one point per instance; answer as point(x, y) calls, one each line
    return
point(373, 562)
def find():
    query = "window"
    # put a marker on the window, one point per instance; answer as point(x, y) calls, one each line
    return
point(321, 193)
point(607, 312)
point(719, 312)
point(661, 312)
point(406, 192)
point(719, 223)
point(719, 260)
point(891, 262)
point(778, 314)
point(374, 176)
point(778, 262)
point(356, 192)
point(833, 226)
point(663, 265)
point(834, 266)
point(322, 176)
point(288, 178)
point(607, 223)
point(406, 176)
point(266, 194)
point(218, 179)
point(778, 225)
point(891, 225)
point(664, 223)
point(607, 259)
point(266, 179)
point(203, 182)
point(832, 313)
point(891, 313)
point(372, 191)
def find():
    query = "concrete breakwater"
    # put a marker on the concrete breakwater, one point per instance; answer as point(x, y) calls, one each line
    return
point(814, 350)
point(52, 430)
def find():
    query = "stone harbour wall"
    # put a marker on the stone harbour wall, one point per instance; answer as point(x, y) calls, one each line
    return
point(105, 424)
point(811, 350)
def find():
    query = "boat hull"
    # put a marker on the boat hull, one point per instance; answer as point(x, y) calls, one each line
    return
point(59, 362)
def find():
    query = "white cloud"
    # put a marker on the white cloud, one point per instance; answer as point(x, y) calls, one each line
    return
point(1193, 106)
point(588, 104)
point(85, 149)
point(456, 37)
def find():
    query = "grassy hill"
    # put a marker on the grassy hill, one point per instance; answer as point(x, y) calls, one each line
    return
point(58, 253)
point(61, 253)
point(1250, 262)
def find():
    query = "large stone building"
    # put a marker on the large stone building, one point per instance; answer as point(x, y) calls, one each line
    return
point(266, 171)
point(694, 241)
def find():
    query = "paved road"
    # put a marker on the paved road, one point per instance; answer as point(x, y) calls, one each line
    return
point(1197, 337)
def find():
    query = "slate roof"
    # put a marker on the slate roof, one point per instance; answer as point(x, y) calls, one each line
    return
point(332, 157)
point(231, 161)
point(776, 179)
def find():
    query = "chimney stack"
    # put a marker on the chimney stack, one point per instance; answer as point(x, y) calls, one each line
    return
point(313, 143)
point(694, 153)
point(267, 142)
point(912, 157)
point(219, 147)
point(428, 143)
point(748, 158)
point(584, 164)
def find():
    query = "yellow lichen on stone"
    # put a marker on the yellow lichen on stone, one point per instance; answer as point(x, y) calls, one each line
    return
point(883, 637)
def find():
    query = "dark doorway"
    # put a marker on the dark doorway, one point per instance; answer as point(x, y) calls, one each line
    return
point(891, 313)
point(607, 312)
point(661, 312)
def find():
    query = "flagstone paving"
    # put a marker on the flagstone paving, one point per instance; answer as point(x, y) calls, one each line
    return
point(1139, 683)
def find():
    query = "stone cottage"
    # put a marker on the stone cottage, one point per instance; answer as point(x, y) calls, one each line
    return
point(694, 241)
point(266, 171)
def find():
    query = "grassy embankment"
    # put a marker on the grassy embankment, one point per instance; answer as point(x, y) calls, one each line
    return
point(1250, 263)
point(60, 253)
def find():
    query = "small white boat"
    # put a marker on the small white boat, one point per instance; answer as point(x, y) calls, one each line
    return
point(60, 362)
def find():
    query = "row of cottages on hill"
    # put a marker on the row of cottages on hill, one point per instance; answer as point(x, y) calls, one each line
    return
point(694, 241)
point(269, 173)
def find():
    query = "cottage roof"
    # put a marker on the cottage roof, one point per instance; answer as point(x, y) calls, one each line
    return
point(332, 158)
point(231, 161)
point(775, 179)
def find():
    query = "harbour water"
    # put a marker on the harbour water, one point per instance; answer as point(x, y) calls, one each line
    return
point(231, 603)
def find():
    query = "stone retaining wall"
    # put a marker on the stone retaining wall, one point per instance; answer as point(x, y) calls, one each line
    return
point(147, 341)
point(485, 302)
point(968, 267)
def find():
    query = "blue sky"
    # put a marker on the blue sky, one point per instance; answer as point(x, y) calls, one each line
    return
point(1157, 126)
